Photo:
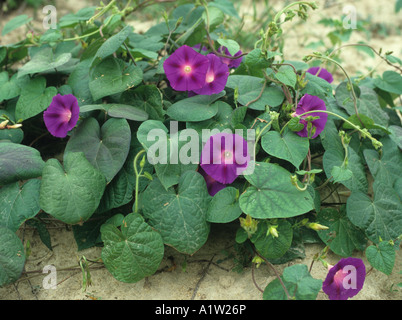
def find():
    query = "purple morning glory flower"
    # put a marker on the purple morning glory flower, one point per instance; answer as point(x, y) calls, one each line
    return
point(311, 103)
point(212, 185)
point(225, 156)
point(186, 69)
point(323, 74)
point(232, 63)
point(345, 279)
point(216, 77)
point(62, 115)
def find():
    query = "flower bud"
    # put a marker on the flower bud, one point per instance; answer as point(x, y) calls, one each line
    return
point(272, 230)
point(14, 126)
point(316, 226)
point(3, 124)
point(249, 225)
point(257, 260)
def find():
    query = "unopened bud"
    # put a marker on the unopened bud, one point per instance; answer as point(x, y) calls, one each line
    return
point(14, 126)
point(257, 260)
point(249, 225)
point(142, 163)
point(272, 230)
point(316, 226)
point(3, 124)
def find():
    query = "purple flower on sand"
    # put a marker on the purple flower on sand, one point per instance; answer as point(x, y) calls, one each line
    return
point(216, 77)
point(225, 156)
point(232, 63)
point(212, 185)
point(186, 69)
point(345, 279)
point(322, 73)
point(62, 115)
point(311, 103)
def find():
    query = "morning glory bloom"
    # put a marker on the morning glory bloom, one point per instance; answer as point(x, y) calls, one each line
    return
point(186, 69)
point(345, 279)
point(213, 186)
point(311, 103)
point(62, 115)
point(225, 156)
point(323, 74)
point(216, 77)
point(232, 63)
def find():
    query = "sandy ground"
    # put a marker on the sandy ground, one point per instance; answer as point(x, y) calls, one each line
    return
point(207, 275)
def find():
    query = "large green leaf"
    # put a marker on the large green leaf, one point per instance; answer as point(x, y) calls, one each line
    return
point(12, 256)
point(317, 86)
point(180, 216)
point(44, 61)
point(19, 203)
point(352, 176)
point(382, 256)
point(272, 247)
point(286, 75)
point(367, 103)
point(249, 89)
point(272, 195)
point(147, 98)
point(391, 81)
point(298, 282)
point(197, 108)
point(105, 148)
point(113, 76)
point(162, 150)
point(34, 98)
point(224, 206)
point(341, 236)
point(116, 110)
point(289, 146)
point(79, 82)
point(71, 194)
point(387, 166)
point(381, 218)
point(134, 252)
point(19, 162)
point(112, 44)
point(15, 23)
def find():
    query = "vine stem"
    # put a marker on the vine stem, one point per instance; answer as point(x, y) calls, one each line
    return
point(276, 273)
point(367, 46)
point(365, 134)
point(137, 178)
point(349, 81)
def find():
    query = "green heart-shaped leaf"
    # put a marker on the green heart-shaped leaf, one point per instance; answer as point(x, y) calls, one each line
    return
point(180, 216)
point(105, 148)
point(341, 236)
point(71, 194)
point(19, 162)
point(19, 203)
point(197, 108)
point(113, 76)
point(134, 252)
point(152, 135)
point(34, 98)
point(12, 256)
point(224, 206)
point(272, 195)
point(290, 146)
point(381, 218)
point(44, 61)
